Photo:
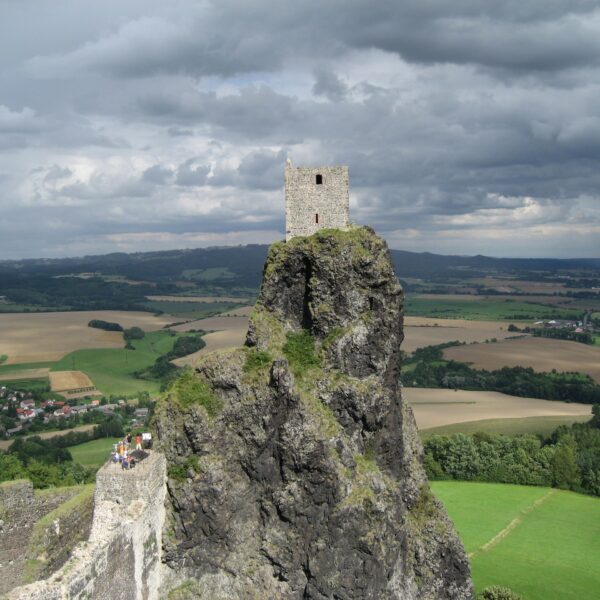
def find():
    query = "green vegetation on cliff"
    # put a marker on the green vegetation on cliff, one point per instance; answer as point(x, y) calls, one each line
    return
point(300, 351)
point(188, 389)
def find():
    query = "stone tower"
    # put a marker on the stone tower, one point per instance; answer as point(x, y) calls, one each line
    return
point(315, 198)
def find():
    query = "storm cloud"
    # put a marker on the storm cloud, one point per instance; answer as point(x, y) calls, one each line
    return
point(468, 127)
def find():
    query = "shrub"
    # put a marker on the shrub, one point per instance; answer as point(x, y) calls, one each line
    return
point(134, 333)
point(496, 592)
point(106, 325)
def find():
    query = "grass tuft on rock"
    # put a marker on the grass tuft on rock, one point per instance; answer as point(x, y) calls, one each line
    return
point(301, 353)
point(256, 360)
point(189, 390)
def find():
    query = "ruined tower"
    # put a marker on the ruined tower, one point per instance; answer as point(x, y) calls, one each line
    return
point(315, 198)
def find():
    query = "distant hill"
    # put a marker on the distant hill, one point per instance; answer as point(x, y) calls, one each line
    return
point(105, 281)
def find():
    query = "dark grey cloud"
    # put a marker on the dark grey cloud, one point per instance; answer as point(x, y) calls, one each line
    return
point(230, 37)
point(465, 124)
point(329, 85)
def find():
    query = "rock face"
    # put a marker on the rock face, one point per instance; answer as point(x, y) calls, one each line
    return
point(295, 466)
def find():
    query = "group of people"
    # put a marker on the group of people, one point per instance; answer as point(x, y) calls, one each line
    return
point(121, 451)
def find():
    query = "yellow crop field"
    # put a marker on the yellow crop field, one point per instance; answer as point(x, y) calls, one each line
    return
point(227, 332)
point(63, 381)
point(425, 331)
point(435, 407)
point(38, 337)
point(542, 354)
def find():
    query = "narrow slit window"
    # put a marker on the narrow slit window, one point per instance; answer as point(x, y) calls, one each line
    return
point(317, 218)
point(319, 179)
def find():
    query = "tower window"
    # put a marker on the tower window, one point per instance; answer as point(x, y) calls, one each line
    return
point(317, 218)
point(319, 179)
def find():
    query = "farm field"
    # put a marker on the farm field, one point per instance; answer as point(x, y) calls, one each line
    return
point(426, 331)
point(442, 407)
point(524, 286)
point(93, 454)
point(515, 426)
point(4, 444)
point(542, 354)
point(111, 369)
point(563, 301)
point(419, 331)
point(228, 332)
point(201, 299)
point(182, 310)
point(484, 309)
point(20, 374)
point(37, 337)
point(542, 543)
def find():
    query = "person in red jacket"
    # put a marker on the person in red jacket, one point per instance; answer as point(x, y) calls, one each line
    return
point(138, 442)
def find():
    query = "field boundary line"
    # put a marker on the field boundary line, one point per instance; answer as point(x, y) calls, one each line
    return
point(512, 525)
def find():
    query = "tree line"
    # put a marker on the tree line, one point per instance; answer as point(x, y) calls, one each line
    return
point(582, 337)
point(431, 370)
point(48, 462)
point(568, 459)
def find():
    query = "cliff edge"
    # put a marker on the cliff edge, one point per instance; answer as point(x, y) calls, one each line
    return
point(294, 464)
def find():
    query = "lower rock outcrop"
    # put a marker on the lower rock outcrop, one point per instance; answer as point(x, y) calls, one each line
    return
point(294, 463)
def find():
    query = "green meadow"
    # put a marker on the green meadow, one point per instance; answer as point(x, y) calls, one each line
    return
point(112, 369)
point(93, 454)
point(485, 310)
point(6, 369)
point(542, 543)
point(27, 385)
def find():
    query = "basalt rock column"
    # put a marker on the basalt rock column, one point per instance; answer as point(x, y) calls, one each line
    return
point(295, 464)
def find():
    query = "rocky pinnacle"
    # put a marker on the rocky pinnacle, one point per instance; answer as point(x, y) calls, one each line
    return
point(294, 463)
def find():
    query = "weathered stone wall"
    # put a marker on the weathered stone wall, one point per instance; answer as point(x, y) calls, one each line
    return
point(20, 509)
point(310, 206)
point(122, 558)
point(55, 535)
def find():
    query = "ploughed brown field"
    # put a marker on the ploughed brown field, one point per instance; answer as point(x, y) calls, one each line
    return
point(37, 337)
point(435, 408)
point(425, 331)
point(542, 354)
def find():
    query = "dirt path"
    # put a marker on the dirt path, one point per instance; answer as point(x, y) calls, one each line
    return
point(4, 444)
point(512, 525)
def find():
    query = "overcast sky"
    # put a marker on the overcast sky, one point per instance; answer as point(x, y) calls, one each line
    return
point(469, 127)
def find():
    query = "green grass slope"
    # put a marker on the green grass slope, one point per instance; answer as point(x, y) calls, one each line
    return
point(542, 543)
point(93, 454)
